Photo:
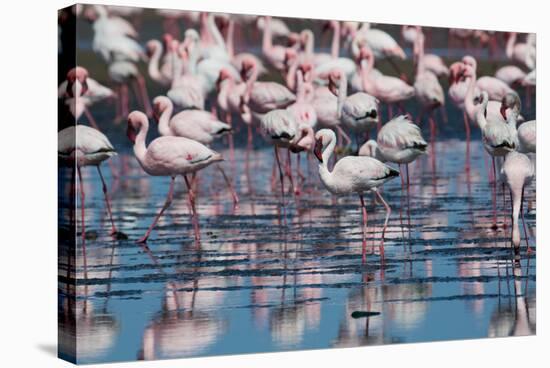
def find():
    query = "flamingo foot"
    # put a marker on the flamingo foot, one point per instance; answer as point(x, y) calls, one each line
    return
point(143, 239)
point(118, 235)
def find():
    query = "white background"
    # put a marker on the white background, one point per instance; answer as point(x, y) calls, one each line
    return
point(28, 138)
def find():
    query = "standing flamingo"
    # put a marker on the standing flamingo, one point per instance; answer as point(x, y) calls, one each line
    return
point(518, 171)
point(527, 137)
point(358, 112)
point(80, 146)
point(353, 175)
point(427, 89)
point(496, 89)
point(169, 156)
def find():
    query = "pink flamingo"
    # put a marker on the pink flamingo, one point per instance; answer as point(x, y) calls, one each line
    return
point(527, 136)
point(427, 89)
point(230, 94)
point(123, 73)
point(262, 97)
point(169, 156)
point(495, 88)
point(358, 112)
point(274, 54)
point(510, 74)
point(517, 172)
point(85, 146)
point(523, 52)
point(389, 90)
point(353, 175)
point(198, 125)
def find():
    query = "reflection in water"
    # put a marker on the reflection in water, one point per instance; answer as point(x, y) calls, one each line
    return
point(258, 285)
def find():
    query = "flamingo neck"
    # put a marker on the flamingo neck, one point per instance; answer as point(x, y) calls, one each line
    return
point(215, 32)
point(266, 39)
point(140, 150)
point(206, 37)
point(342, 94)
point(479, 115)
point(510, 44)
point(251, 81)
point(310, 44)
point(469, 99)
point(223, 94)
point(164, 120)
point(420, 68)
point(335, 49)
point(229, 38)
point(364, 70)
point(153, 66)
point(324, 172)
point(291, 75)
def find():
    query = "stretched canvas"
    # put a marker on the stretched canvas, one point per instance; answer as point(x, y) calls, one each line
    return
point(234, 184)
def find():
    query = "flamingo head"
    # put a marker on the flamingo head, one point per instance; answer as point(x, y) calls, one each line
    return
point(167, 38)
point(469, 60)
point(160, 103)
point(248, 64)
point(79, 74)
point(334, 79)
point(305, 36)
point(135, 120)
point(293, 38)
point(454, 71)
point(306, 68)
point(322, 139)
point(224, 75)
point(290, 56)
point(329, 25)
point(151, 47)
point(510, 101)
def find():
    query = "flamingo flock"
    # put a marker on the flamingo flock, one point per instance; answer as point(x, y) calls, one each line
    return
point(285, 89)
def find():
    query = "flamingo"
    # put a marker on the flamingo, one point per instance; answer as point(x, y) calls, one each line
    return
point(353, 175)
point(262, 97)
point(358, 112)
point(387, 89)
point(123, 73)
point(198, 125)
point(169, 156)
point(524, 53)
point(399, 141)
point(498, 138)
point(530, 79)
point(495, 88)
point(517, 172)
point(160, 74)
point(80, 146)
point(510, 74)
point(427, 89)
point(527, 137)
point(274, 54)
point(433, 63)
point(276, 27)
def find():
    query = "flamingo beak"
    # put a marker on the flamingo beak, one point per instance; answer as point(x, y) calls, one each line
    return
point(318, 150)
point(503, 111)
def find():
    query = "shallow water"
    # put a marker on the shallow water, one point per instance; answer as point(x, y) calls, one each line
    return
point(255, 284)
point(266, 279)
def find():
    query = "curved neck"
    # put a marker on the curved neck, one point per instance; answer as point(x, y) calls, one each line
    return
point(251, 80)
point(469, 99)
point(164, 120)
point(215, 32)
point(222, 97)
point(291, 75)
point(342, 93)
point(266, 39)
point(153, 67)
point(419, 54)
point(480, 115)
point(335, 49)
point(229, 38)
point(364, 68)
point(310, 44)
point(140, 150)
point(510, 44)
point(205, 35)
point(326, 175)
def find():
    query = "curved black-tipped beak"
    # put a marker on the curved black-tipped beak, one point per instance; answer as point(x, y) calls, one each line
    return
point(318, 150)
point(503, 111)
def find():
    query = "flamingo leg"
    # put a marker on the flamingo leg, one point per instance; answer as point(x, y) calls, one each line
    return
point(466, 125)
point(107, 201)
point(194, 215)
point(343, 135)
point(494, 194)
point(72, 198)
point(167, 203)
point(144, 96)
point(229, 186)
point(408, 197)
point(364, 229)
point(289, 170)
point(124, 100)
point(282, 180)
point(229, 122)
point(90, 118)
point(83, 221)
point(388, 213)
point(504, 225)
point(249, 138)
point(299, 175)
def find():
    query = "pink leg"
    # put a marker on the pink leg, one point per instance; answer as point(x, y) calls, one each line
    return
point(388, 213)
point(107, 202)
point(229, 186)
point(118, 113)
point(282, 180)
point(144, 96)
point(83, 221)
point(249, 140)
point(229, 122)
point(195, 218)
point(364, 228)
point(90, 118)
point(494, 227)
point(289, 170)
point(124, 100)
point(408, 197)
point(167, 203)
